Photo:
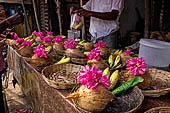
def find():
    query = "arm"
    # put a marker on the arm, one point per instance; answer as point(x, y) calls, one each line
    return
point(10, 21)
point(101, 15)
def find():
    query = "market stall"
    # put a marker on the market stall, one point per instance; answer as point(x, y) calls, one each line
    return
point(47, 96)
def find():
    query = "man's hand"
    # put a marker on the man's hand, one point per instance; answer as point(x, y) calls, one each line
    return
point(16, 19)
point(72, 9)
point(83, 12)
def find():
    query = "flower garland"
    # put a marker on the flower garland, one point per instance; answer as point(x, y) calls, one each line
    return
point(40, 51)
point(91, 78)
point(94, 54)
point(58, 39)
point(27, 44)
point(70, 44)
point(137, 66)
point(100, 44)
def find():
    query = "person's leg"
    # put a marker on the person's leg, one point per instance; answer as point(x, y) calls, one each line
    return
point(1, 96)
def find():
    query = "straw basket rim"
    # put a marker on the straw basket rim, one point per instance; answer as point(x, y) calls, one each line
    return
point(159, 92)
point(57, 84)
point(81, 61)
point(152, 110)
point(130, 111)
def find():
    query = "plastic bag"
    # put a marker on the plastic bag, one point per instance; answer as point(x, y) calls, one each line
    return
point(76, 22)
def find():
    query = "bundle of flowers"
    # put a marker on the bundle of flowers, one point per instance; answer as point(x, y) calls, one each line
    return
point(137, 67)
point(102, 46)
point(94, 59)
point(40, 57)
point(93, 95)
point(58, 43)
point(40, 51)
point(19, 41)
point(26, 49)
point(71, 50)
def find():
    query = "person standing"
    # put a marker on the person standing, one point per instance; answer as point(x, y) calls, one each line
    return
point(104, 19)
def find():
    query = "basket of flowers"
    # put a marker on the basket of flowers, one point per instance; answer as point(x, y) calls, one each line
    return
point(40, 57)
point(94, 59)
point(94, 94)
point(59, 45)
point(156, 82)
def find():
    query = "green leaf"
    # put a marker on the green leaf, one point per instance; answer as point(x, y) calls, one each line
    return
point(83, 50)
point(131, 83)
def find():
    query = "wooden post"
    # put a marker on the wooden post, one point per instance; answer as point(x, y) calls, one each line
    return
point(58, 3)
point(83, 29)
point(147, 19)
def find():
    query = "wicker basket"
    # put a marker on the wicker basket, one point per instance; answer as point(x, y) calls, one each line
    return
point(159, 110)
point(61, 70)
point(82, 61)
point(128, 102)
point(160, 79)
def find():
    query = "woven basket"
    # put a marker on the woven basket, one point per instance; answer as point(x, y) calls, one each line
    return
point(82, 61)
point(62, 70)
point(160, 79)
point(127, 102)
point(159, 110)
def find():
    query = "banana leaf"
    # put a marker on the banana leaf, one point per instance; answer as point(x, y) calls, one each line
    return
point(131, 83)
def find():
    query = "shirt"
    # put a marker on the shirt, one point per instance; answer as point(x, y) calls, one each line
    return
point(2, 62)
point(99, 27)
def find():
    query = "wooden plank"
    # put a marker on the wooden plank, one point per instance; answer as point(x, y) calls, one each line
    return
point(15, 1)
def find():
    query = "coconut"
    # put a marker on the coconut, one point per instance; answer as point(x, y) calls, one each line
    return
point(75, 53)
point(101, 64)
point(38, 39)
point(146, 76)
point(88, 46)
point(57, 46)
point(125, 57)
point(104, 52)
point(92, 100)
point(26, 51)
point(39, 62)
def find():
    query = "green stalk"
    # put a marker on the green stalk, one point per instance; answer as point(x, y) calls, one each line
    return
point(131, 83)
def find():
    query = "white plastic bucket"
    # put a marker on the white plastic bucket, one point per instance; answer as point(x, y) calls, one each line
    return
point(155, 53)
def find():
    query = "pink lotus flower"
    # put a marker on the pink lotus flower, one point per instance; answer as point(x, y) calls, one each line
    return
point(78, 19)
point(137, 66)
point(47, 39)
point(58, 39)
point(127, 52)
point(15, 36)
point(70, 44)
point(40, 51)
point(100, 44)
point(27, 44)
point(94, 54)
point(50, 33)
point(91, 78)
point(19, 41)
